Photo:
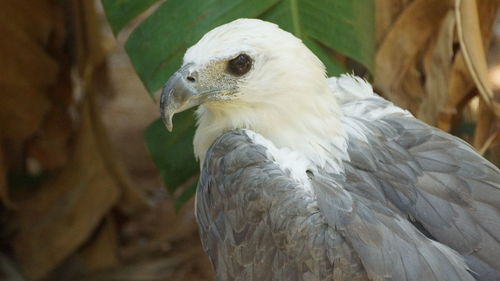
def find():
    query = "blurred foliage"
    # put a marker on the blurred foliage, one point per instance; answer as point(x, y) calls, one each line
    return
point(431, 59)
point(173, 153)
point(20, 181)
point(334, 30)
point(58, 177)
point(120, 13)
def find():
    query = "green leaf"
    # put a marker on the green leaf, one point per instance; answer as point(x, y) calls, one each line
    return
point(185, 195)
point(156, 48)
point(121, 12)
point(173, 152)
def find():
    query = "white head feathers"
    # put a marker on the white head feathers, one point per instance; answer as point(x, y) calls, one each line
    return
point(285, 96)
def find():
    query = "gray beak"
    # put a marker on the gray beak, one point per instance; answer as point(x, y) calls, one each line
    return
point(178, 94)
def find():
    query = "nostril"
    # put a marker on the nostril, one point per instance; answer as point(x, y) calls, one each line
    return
point(191, 79)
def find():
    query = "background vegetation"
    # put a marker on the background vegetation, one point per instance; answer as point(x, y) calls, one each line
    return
point(79, 196)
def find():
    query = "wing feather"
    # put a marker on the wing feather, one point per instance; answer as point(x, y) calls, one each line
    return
point(389, 246)
point(433, 178)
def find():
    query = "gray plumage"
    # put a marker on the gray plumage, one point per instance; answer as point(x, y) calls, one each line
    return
point(412, 203)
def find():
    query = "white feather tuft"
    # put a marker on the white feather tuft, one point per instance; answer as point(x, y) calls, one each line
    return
point(290, 162)
point(348, 87)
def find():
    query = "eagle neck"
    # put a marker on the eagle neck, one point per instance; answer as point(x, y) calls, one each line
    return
point(310, 126)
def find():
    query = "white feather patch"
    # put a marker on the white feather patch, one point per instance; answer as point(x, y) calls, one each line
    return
point(348, 87)
point(352, 91)
point(290, 162)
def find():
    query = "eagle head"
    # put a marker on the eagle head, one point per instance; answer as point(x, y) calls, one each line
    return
point(249, 74)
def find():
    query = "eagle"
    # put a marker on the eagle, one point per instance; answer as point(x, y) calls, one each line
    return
point(305, 177)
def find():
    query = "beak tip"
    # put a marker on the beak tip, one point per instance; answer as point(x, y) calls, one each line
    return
point(169, 126)
point(167, 120)
point(176, 96)
point(166, 112)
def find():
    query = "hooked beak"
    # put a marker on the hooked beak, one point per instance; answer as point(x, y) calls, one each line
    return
point(178, 94)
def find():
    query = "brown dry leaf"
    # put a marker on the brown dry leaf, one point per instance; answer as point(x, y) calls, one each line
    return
point(36, 17)
point(488, 123)
point(132, 199)
point(28, 27)
point(91, 60)
point(96, 51)
point(102, 252)
point(8, 270)
point(411, 90)
point(403, 43)
point(4, 192)
point(178, 267)
point(487, 144)
point(485, 126)
point(36, 69)
point(437, 66)
point(460, 87)
point(472, 45)
point(20, 119)
point(461, 84)
point(58, 218)
point(50, 147)
point(31, 70)
point(163, 226)
point(67, 208)
point(386, 12)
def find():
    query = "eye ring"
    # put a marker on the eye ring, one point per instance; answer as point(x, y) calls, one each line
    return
point(240, 65)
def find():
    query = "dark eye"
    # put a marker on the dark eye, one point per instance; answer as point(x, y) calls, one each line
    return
point(239, 65)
